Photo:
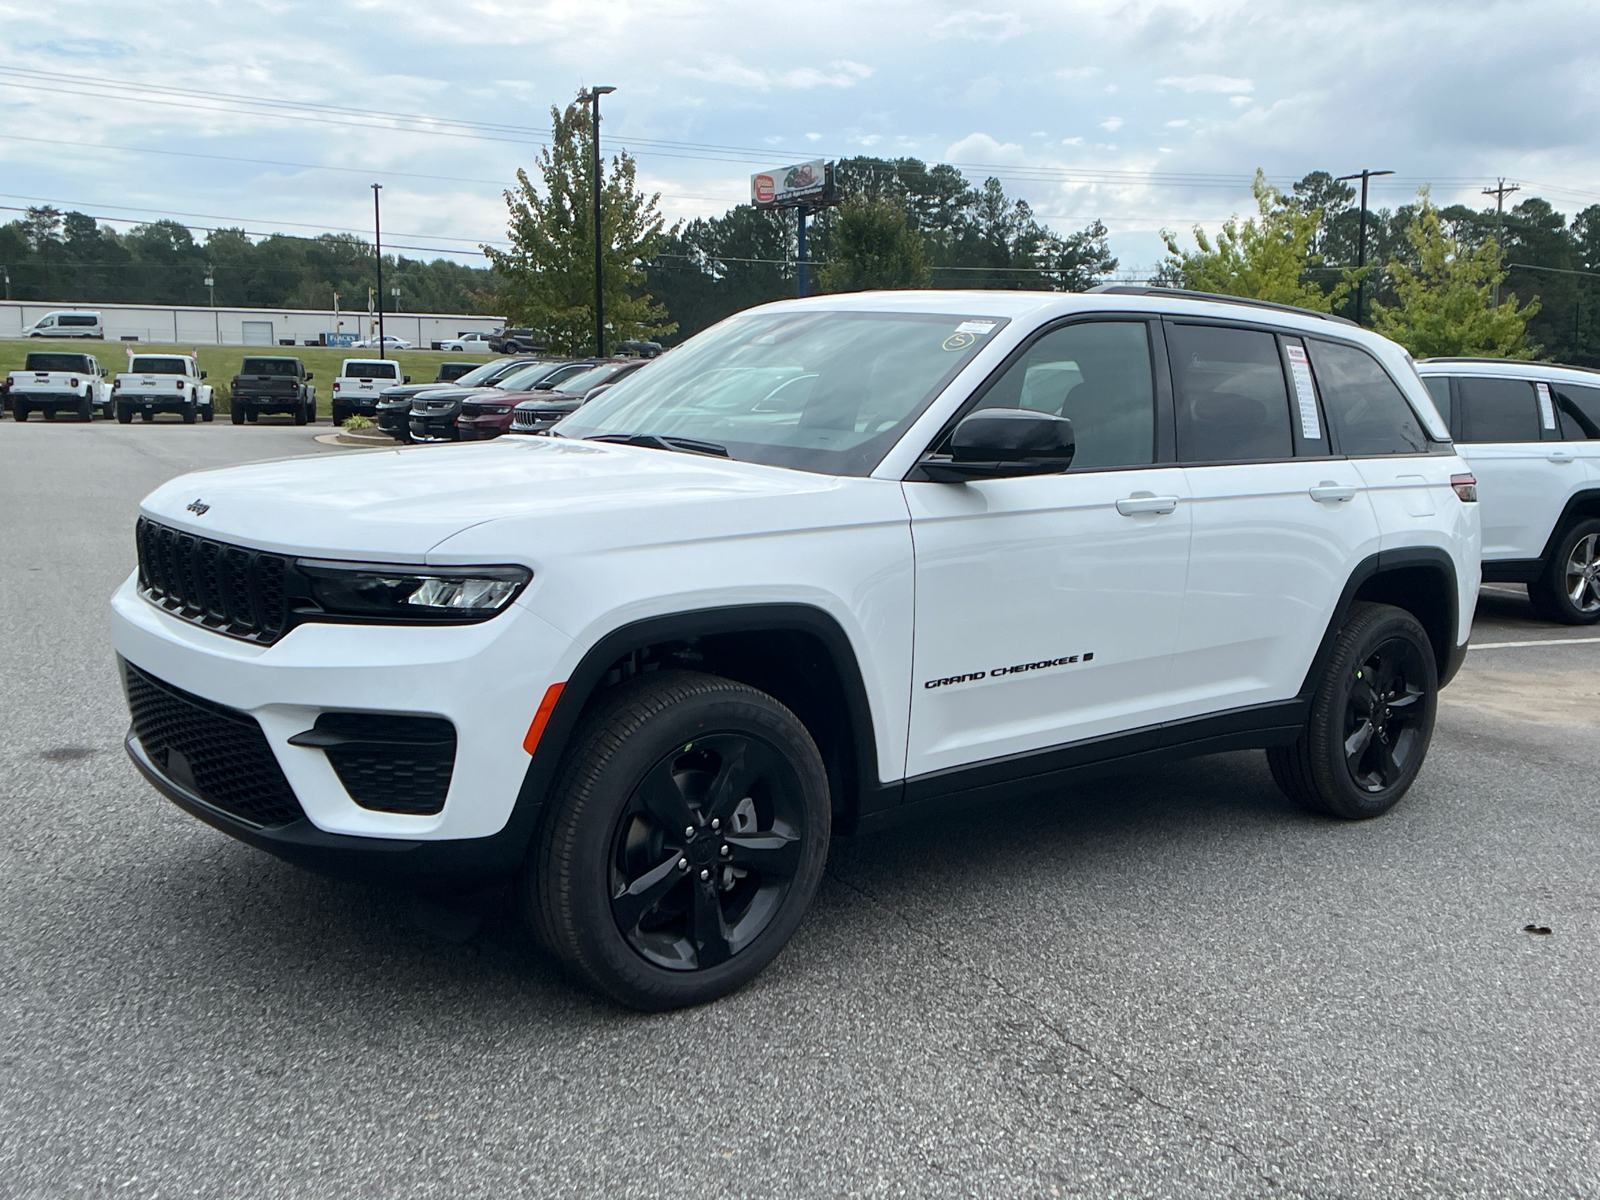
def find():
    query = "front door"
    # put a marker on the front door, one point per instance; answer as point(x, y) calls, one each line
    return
point(1047, 607)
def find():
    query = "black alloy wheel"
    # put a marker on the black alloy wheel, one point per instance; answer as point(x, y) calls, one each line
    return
point(686, 838)
point(1371, 718)
point(1569, 589)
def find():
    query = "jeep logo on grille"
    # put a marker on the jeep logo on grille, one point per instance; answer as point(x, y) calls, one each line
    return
point(199, 507)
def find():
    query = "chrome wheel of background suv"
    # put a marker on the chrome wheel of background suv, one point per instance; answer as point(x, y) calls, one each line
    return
point(1569, 592)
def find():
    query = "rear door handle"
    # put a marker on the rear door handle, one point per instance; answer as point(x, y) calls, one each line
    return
point(1559, 457)
point(1147, 502)
point(1329, 490)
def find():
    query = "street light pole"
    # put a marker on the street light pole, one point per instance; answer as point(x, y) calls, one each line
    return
point(377, 241)
point(1361, 237)
point(593, 96)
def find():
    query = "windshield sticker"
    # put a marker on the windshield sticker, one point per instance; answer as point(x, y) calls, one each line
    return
point(977, 326)
point(1547, 410)
point(1300, 368)
point(959, 341)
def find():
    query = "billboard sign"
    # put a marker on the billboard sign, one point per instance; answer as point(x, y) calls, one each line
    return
point(786, 187)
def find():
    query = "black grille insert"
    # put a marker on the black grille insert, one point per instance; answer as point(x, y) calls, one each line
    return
point(388, 762)
point(219, 753)
point(231, 589)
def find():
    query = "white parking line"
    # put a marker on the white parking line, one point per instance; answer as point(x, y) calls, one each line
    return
point(1534, 642)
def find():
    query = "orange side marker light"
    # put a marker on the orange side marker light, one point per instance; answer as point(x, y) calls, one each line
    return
point(542, 717)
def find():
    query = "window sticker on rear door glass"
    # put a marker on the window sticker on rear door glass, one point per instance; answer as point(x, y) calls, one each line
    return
point(1300, 368)
point(1547, 410)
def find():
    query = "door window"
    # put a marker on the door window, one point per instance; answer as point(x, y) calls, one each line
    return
point(1097, 374)
point(1233, 405)
point(1580, 411)
point(1368, 411)
point(1439, 390)
point(1498, 410)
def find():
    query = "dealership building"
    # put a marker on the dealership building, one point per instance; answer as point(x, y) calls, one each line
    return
point(170, 325)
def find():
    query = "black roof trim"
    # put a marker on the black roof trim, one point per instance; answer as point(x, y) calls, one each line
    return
point(1135, 289)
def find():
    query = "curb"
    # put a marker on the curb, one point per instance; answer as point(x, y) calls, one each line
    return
point(371, 441)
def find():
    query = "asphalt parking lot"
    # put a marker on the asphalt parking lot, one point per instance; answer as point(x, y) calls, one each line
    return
point(1171, 983)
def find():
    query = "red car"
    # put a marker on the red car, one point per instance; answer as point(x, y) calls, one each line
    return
point(486, 417)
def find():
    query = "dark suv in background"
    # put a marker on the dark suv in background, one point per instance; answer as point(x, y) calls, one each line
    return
point(272, 385)
point(434, 414)
point(393, 413)
point(537, 413)
point(488, 415)
point(515, 341)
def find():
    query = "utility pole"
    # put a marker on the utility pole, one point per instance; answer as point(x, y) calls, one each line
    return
point(800, 248)
point(377, 242)
point(211, 280)
point(1500, 191)
point(7, 270)
point(593, 96)
point(1361, 237)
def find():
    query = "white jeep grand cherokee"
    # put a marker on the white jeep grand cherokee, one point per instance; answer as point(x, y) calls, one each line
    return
point(828, 561)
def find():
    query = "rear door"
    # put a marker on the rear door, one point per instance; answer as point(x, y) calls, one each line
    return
point(1502, 428)
point(1578, 411)
point(1278, 520)
point(1047, 607)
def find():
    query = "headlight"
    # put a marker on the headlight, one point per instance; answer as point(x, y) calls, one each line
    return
point(411, 594)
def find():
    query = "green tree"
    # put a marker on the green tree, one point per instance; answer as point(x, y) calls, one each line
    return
point(547, 277)
point(1446, 301)
point(1265, 258)
point(873, 246)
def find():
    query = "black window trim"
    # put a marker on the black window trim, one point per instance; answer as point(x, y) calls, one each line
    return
point(1163, 450)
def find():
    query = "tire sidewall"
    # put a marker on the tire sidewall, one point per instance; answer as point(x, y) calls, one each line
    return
point(1373, 625)
point(576, 865)
point(1554, 582)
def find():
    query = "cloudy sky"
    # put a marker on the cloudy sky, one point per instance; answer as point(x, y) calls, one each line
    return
point(1145, 115)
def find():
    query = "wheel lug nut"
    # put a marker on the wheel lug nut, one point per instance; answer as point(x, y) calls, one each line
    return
point(705, 874)
point(688, 831)
point(683, 864)
point(726, 851)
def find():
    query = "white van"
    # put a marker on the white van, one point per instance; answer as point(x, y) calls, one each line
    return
point(67, 322)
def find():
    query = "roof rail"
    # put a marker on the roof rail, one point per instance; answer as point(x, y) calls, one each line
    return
point(1139, 289)
point(1526, 362)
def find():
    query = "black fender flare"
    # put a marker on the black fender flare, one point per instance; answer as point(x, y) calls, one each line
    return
point(1587, 497)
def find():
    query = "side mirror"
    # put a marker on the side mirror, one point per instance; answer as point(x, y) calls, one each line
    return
point(407, 379)
point(999, 443)
point(309, 376)
point(202, 374)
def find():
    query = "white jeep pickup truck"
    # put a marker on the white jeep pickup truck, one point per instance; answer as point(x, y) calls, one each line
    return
point(158, 383)
point(52, 381)
point(832, 563)
point(1532, 434)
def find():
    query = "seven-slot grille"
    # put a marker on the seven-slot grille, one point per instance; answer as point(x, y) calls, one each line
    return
point(536, 418)
point(231, 589)
point(210, 749)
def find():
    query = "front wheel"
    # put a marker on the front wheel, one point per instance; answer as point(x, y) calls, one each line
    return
point(1371, 718)
point(687, 836)
point(1569, 589)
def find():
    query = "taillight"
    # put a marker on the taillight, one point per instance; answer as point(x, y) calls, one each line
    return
point(115, 384)
point(336, 385)
point(1466, 487)
point(72, 383)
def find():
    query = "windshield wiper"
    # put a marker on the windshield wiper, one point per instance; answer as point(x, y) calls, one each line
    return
point(655, 442)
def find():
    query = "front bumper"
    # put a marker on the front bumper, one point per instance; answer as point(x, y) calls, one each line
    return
point(393, 420)
point(481, 429)
point(455, 672)
point(433, 427)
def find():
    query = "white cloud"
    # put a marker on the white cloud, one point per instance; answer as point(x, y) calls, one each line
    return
point(981, 148)
point(1072, 141)
point(1110, 124)
point(979, 26)
point(810, 137)
point(1240, 101)
point(1221, 84)
point(726, 69)
point(872, 139)
point(1077, 72)
point(1178, 124)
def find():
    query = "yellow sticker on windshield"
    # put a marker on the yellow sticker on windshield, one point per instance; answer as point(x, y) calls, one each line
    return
point(959, 341)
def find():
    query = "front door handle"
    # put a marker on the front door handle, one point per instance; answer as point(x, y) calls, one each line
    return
point(1329, 490)
point(1147, 502)
point(1560, 457)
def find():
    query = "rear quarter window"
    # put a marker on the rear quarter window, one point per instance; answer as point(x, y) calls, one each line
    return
point(1439, 389)
point(1580, 411)
point(1367, 409)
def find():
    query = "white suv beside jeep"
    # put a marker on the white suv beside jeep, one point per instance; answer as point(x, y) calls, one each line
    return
point(1532, 434)
point(828, 562)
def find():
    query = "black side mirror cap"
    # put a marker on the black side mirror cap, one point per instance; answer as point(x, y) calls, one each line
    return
point(309, 376)
point(407, 379)
point(1000, 443)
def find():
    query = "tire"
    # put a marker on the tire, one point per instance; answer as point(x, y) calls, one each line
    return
point(1380, 643)
point(86, 409)
point(49, 413)
point(1569, 590)
point(210, 413)
point(651, 917)
point(299, 414)
point(237, 415)
point(147, 416)
point(124, 415)
point(251, 415)
point(189, 412)
point(19, 410)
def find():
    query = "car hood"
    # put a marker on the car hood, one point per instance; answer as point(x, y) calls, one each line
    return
point(397, 505)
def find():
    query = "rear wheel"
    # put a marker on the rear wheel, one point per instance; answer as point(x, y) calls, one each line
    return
point(208, 413)
point(237, 415)
point(299, 414)
point(49, 413)
point(147, 415)
point(1371, 718)
point(189, 412)
point(124, 415)
point(86, 409)
point(687, 836)
point(1569, 589)
point(19, 410)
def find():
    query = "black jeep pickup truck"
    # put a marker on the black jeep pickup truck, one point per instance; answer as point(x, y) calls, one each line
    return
point(273, 385)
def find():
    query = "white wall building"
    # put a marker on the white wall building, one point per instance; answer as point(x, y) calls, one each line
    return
point(186, 326)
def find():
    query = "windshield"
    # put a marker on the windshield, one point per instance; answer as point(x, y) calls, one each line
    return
point(159, 366)
point(269, 366)
point(817, 391)
point(531, 374)
point(370, 370)
point(57, 362)
point(581, 382)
